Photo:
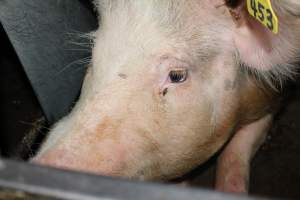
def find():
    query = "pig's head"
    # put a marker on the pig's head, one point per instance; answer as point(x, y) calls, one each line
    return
point(164, 91)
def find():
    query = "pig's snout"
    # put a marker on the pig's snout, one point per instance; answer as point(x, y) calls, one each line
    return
point(110, 162)
point(87, 152)
point(61, 159)
point(109, 147)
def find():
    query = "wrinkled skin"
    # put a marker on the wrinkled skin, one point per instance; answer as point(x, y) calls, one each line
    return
point(133, 120)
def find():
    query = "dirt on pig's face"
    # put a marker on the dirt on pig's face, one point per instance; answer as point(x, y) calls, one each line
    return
point(162, 94)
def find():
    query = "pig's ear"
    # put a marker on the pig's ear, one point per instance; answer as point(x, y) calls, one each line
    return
point(267, 37)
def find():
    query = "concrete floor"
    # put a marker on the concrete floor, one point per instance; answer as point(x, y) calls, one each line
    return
point(275, 171)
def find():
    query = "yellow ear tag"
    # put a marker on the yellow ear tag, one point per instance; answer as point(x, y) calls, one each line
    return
point(263, 12)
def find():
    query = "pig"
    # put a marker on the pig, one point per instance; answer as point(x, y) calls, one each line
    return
point(170, 84)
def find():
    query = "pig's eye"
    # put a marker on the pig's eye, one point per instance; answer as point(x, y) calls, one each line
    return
point(178, 75)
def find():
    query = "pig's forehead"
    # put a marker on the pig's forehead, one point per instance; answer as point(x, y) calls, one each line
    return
point(172, 13)
point(187, 25)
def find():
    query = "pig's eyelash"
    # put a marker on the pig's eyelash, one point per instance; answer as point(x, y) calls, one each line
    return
point(178, 75)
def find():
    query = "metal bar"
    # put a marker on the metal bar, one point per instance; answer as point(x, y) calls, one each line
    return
point(59, 184)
